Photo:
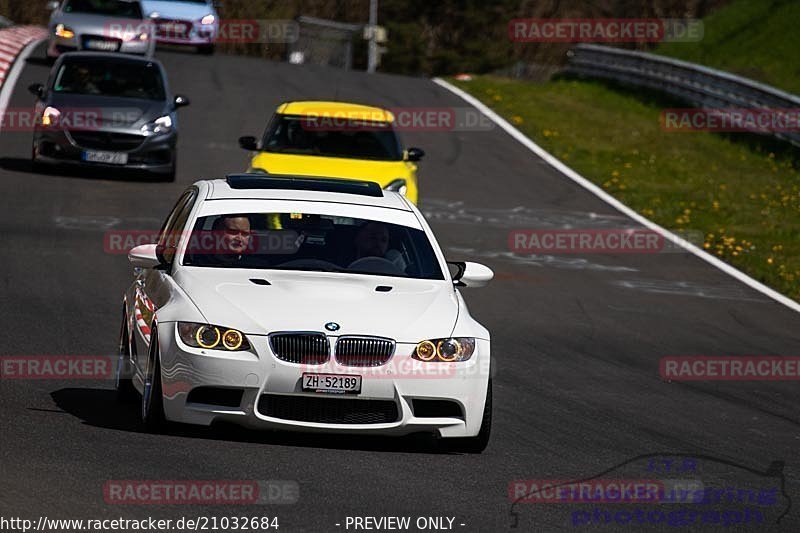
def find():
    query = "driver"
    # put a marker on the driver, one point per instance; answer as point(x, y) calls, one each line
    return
point(233, 236)
point(372, 240)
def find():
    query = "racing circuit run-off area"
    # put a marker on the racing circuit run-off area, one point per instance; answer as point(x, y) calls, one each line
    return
point(370, 266)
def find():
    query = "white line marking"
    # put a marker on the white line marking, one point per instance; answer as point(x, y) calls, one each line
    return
point(603, 195)
point(11, 78)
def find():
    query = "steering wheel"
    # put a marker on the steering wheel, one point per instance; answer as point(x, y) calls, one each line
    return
point(375, 265)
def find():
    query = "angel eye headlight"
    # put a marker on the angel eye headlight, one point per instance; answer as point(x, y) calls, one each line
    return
point(449, 350)
point(232, 339)
point(212, 337)
point(425, 351)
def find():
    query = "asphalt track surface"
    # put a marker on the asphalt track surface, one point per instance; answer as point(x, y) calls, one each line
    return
point(576, 339)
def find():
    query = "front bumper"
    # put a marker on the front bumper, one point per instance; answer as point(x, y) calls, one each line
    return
point(155, 153)
point(59, 45)
point(402, 381)
point(188, 33)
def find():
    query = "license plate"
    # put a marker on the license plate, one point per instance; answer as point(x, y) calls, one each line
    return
point(102, 45)
point(331, 383)
point(109, 158)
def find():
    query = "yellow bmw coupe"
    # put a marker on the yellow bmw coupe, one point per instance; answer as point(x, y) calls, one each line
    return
point(336, 139)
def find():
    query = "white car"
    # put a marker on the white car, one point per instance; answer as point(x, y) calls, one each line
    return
point(309, 304)
point(99, 26)
point(185, 22)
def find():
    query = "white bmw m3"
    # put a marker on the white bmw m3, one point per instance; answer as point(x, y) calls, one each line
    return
point(305, 304)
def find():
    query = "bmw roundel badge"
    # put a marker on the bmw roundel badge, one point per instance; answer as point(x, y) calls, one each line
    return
point(332, 326)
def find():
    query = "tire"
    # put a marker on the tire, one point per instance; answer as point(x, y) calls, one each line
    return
point(126, 392)
point(152, 393)
point(206, 49)
point(479, 442)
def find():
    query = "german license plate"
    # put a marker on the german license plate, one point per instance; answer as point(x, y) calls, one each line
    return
point(331, 383)
point(109, 158)
point(107, 46)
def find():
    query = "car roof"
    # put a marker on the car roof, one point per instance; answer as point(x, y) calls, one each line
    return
point(302, 188)
point(335, 109)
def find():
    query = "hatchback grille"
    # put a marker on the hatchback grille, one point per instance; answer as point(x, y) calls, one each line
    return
point(364, 351)
point(173, 29)
point(328, 410)
point(301, 348)
point(106, 140)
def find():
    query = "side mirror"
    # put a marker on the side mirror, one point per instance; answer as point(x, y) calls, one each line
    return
point(415, 154)
point(144, 256)
point(52, 6)
point(36, 89)
point(249, 143)
point(180, 101)
point(471, 274)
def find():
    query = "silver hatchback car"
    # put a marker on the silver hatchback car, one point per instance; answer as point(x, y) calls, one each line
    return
point(100, 26)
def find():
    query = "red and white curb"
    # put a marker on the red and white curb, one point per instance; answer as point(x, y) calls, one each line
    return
point(137, 315)
point(12, 41)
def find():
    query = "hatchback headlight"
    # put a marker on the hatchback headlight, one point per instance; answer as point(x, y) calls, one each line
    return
point(64, 32)
point(398, 185)
point(212, 337)
point(450, 350)
point(50, 116)
point(159, 126)
point(208, 19)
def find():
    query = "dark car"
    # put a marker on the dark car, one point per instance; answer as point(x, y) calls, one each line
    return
point(107, 110)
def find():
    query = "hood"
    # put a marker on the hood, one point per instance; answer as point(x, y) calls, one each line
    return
point(87, 24)
point(113, 112)
point(305, 301)
point(177, 10)
point(381, 171)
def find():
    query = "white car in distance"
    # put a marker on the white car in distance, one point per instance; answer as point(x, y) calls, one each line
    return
point(308, 304)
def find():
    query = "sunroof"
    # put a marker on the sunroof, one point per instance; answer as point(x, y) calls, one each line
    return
point(304, 183)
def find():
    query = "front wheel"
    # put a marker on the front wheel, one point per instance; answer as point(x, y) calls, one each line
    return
point(152, 393)
point(122, 376)
point(206, 49)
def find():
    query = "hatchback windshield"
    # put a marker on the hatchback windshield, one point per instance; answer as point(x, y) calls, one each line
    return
point(322, 243)
point(105, 78)
point(356, 139)
point(112, 8)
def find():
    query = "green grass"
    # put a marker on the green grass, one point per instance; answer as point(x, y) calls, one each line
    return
point(744, 200)
point(757, 39)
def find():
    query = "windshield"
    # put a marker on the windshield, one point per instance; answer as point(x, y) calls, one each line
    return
point(355, 139)
point(106, 78)
point(311, 242)
point(113, 8)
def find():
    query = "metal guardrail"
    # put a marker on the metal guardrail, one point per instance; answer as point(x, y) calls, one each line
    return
point(701, 86)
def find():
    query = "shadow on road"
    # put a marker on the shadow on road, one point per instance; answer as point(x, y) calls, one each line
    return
point(19, 164)
point(100, 408)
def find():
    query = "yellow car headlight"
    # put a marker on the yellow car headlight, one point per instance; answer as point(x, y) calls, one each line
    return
point(449, 350)
point(212, 337)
